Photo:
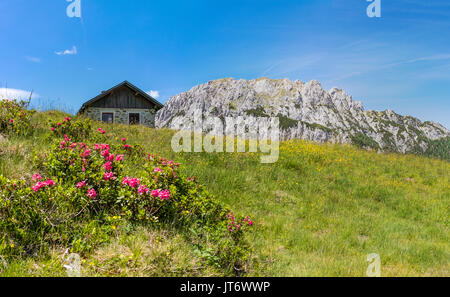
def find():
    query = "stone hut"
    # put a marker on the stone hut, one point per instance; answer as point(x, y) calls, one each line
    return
point(124, 104)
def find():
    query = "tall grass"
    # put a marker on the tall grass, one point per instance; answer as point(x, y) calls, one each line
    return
point(322, 208)
point(318, 211)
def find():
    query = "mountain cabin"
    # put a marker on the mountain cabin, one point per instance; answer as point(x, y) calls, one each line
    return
point(124, 104)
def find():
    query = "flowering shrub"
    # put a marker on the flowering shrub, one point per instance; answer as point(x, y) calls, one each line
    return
point(237, 226)
point(80, 186)
point(15, 118)
point(76, 129)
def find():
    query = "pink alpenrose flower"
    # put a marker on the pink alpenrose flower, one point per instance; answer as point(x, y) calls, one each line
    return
point(36, 177)
point(107, 166)
point(143, 190)
point(164, 195)
point(91, 194)
point(109, 175)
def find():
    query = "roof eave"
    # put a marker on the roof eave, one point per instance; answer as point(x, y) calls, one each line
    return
point(128, 84)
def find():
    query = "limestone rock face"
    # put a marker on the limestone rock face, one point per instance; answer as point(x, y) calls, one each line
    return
point(310, 112)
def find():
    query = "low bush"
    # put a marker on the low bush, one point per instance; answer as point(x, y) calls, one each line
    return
point(286, 123)
point(81, 194)
point(15, 118)
point(363, 141)
point(76, 129)
point(439, 149)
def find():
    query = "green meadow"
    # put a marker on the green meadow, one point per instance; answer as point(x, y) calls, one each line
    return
point(318, 211)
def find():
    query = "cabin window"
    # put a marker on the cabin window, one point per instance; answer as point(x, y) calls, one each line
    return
point(134, 118)
point(108, 117)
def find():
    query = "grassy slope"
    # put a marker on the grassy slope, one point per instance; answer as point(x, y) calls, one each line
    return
point(143, 253)
point(319, 210)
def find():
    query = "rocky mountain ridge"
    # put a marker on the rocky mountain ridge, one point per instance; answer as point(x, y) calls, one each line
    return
point(306, 111)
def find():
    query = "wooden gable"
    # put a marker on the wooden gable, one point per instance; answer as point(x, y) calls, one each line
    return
point(123, 96)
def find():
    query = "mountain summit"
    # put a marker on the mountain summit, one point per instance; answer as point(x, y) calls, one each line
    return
point(306, 111)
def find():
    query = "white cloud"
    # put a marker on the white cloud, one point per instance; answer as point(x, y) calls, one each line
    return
point(72, 51)
point(6, 93)
point(33, 59)
point(154, 94)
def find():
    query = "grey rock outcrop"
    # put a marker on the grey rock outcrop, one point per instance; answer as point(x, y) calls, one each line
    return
point(305, 110)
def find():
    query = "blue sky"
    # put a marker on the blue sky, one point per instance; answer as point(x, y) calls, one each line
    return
point(400, 61)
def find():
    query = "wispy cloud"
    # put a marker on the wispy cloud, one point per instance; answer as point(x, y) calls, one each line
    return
point(72, 51)
point(154, 94)
point(270, 68)
point(291, 65)
point(6, 93)
point(33, 59)
point(438, 7)
point(433, 58)
point(439, 57)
